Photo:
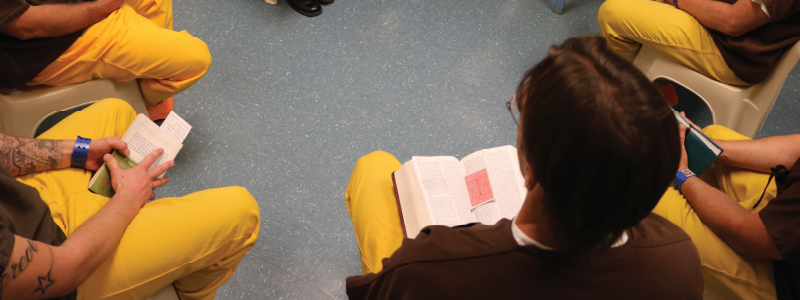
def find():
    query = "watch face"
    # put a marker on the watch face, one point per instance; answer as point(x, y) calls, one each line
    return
point(687, 172)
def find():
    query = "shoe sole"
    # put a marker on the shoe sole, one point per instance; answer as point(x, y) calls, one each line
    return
point(305, 13)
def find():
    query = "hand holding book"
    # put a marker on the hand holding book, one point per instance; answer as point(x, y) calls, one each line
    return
point(137, 183)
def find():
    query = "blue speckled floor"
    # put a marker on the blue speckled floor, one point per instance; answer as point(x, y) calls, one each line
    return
point(292, 102)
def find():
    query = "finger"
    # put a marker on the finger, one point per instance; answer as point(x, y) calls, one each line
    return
point(160, 169)
point(111, 163)
point(119, 145)
point(151, 158)
point(682, 132)
point(152, 196)
point(160, 182)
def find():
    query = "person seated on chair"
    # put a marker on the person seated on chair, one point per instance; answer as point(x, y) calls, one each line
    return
point(733, 42)
point(63, 42)
point(748, 239)
point(597, 146)
point(59, 240)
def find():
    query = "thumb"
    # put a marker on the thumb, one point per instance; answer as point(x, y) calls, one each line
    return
point(111, 163)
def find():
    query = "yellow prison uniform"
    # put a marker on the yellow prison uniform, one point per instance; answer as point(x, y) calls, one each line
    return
point(136, 41)
point(726, 274)
point(194, 242)
point(372, 206)
point(629, 24)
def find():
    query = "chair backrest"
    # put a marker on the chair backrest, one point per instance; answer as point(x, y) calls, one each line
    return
point(23, 110)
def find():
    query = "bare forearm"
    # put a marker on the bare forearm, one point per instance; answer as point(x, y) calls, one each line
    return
point(24, 156)
point(761, 154)
point(731, 19)
point(53, 20)
point(742, 231)
point(93, 242)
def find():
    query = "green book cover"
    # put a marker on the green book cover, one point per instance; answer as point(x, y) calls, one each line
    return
point(101, 183)
point(702, 151)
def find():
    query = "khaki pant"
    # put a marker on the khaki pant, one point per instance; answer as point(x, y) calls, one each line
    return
point(195, 241)
point(629, 24)
point(136, 41)
point(726, 274)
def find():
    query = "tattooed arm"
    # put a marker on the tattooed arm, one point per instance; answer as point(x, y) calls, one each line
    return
point(23, 156)
point(40, 271)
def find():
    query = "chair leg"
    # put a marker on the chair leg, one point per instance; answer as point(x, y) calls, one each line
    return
point(559, 6)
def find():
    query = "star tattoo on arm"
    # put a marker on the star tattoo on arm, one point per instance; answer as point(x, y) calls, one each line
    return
point(45, 281)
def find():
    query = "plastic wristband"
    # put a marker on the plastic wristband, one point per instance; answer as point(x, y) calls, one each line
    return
point(681, 177)
point(80, 153)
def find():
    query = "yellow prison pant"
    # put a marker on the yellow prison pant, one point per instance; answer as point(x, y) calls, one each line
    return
point(194, 242)
point(726, 274)
point(136, 41)
point(628, 24)
point(373, 209)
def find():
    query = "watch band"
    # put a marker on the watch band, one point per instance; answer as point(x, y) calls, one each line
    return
point(681, 177)
point(80, 152)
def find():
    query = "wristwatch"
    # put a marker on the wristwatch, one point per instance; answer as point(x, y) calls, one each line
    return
point(681, 177)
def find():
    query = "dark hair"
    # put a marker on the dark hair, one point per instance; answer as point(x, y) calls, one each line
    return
point(600, 138)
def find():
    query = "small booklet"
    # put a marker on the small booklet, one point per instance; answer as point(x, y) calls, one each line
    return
point(483, 187)
point(144, 136)
point(702, 151)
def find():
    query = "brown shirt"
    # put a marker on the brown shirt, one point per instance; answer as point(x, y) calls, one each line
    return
point(22, 60)
point(752, 55)
point(23, 213)
point(658, 261)
point(781, 217)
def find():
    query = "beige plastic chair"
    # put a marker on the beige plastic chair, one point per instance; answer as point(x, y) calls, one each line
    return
point(23, 110)
point(741, 109)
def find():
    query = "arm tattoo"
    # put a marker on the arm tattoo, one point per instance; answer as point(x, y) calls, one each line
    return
point(23, 156)
point(17, 267)
point(45, 281)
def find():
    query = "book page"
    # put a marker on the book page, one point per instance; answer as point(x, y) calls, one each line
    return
point(144, 136)
point(175, 126)
point(494, 183)
point(444, 189)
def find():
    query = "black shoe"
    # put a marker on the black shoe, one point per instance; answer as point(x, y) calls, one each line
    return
point(325, 2)
point(308, 8)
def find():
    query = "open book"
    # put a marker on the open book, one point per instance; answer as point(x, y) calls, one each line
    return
point(144, 136)
point(700, 149)
point(483, 187)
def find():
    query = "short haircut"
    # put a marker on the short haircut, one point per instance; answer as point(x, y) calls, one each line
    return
point(601, 141)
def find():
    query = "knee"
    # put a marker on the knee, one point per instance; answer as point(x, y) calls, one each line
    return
point(376, 157)
point(610, 12)
point(199, 56)
point(719, 132)
point(239, 206)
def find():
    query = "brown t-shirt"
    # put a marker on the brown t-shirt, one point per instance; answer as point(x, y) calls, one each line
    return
point(658, 261)
point(752, 55)
point(22, 60)
point(23, 213)
point(781, 217)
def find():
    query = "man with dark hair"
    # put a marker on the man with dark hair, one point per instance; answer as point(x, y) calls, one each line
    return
point(598, 146)
point(743, 219)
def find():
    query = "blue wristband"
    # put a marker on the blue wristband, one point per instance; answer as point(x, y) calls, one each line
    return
point(681, 177)
point(80, 153)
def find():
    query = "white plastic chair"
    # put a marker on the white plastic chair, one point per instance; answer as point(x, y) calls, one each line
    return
point(743, 109)
point(23, 110)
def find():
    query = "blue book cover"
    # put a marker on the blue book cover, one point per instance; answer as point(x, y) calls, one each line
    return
point(702, 151)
